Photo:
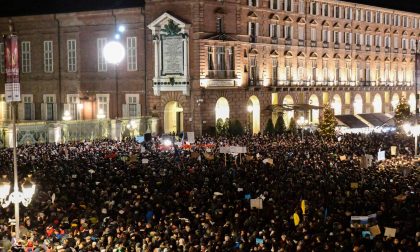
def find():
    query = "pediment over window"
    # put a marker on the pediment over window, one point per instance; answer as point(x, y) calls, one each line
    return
point(325, 56)
point(386, 59)
point(301, 54)
point(288, 54)
point(404, 60)
point(274, 53)
point(412, 34)
point(347, 26)
point(252, 14)
point(287, 19)
point(301, 20)
point(313, 55)
point(368, 28)
point(377, 58)
point(337, 56)
point(377, 30)
point(357, 27)
point(368, 58)
point(253, 51)
point(274, 17)
point(220, 11)
point(404, 33)
point(336, 25)
point(348, 57)
point(387, 31)
point(326, 23)
point(395, 59)
point(313, 22)
point(357, 57)
point(168, 24)
point(395, 32)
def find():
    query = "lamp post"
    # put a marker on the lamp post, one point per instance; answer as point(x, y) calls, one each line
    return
point(199, 101)
point(302, 122)
point(114, 53)
point(12, 93)
point(413, 130)
point(250, 108)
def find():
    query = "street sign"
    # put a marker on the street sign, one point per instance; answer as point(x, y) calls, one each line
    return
point(12, 92)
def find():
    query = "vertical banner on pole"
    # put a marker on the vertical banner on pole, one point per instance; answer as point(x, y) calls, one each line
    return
point(12, 86)
point(417, 78)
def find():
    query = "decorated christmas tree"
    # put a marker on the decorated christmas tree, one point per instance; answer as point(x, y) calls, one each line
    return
point(269, 127)
point(328, 123)
point(280, 126)
point(402, 113)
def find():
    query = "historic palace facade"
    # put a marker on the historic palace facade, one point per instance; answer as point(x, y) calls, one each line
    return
point(191, 62)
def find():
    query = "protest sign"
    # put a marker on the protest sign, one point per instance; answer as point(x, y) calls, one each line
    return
point(390, 232)
point(354, 185)
point(145, 161)
point(224, 149)
point(343, 158)
point(375, 230)
point(393, 150)
point(268, 161)
point(191, 137)
point(296, 219)
point(256, 203)
point(381, 155)
point(259, 241)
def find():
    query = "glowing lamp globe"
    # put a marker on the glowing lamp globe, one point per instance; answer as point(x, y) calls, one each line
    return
point(114, 52)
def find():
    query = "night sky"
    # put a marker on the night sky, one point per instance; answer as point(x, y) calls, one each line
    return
point(27, 7)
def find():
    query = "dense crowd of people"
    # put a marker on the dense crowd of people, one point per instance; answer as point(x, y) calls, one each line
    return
point(119, 196)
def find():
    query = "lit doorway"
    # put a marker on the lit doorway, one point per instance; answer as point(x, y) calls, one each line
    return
point(173, 117)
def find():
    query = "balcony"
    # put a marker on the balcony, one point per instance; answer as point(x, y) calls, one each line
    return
point(377, 49)
point(325, 44)
point(395, 50)
point(221, 74)
point(358, 47)
point(252, 39)
point(313, 43)
point(255, 83)
point(336, 46)
point(367, 48)
point(301, 43)
point(413, 50)
point(348, 47)
point(404, 50)
point(274, 40)
point(287, 41)
point(387, 49)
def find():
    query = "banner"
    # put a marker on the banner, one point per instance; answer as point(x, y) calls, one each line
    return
point(11, 62)
point(417, 80)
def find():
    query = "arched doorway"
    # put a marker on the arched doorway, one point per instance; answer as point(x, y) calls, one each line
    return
point(358, 104)
point(336, 104)
point(377, 104)
point(253, 108)
point(222, 109)
point(412, 102)
point(314, 113)
point(288, 114)
point(173, 117)
point(395, 101)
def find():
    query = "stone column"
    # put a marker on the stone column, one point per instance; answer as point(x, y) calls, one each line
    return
point(186, 59)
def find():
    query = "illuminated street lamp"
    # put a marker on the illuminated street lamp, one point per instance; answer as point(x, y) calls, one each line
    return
point(132, 126)
point(414, 131)
point(302, 122)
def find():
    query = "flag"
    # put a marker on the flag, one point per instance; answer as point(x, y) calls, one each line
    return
point(296, 219)
point(304, 206)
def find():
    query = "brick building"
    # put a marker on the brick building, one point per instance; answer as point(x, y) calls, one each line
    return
point(191, 62)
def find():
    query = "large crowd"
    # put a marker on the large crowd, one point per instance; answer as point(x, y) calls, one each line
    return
point(125, 196)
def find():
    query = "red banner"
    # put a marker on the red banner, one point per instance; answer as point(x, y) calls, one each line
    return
point(11, 57)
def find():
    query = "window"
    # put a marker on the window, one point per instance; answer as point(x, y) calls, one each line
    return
point(102, 67)
point(288, 69)
point(395, 41)
point(301, 33)
point(220, 58)
point(387, 42)
point(313, 34)
point(27, 107)
point(325, 36)
point(367, 73)
point(378, 17)
point(131, 53)
point(48, 107)
point(314, 67)
point(274, 71)
point(413, 44)
point(337, 39)
point(219, 24)
point(325, 70)
point(405, 21)
point(1, 57)
point(359, 15)
point(26, 57)
point(71, 55)
point(368, 40)
point(287, 32)
point(415, 23)
point(302, 6)
point(210, 63)
point(349, 13)
point(132, 106)
point(336, 11)
point(358, 40)
point(404, 43)
point(378, 72)
point(368, 14)
point(71, 107)
point(348, 70)
point(387, 71)
point(301, 66)
point(396, 20)
point(288, 5)
point(337, 70)
point(274, 31)
point(378, 40)
point(325, 9)
point(347, 38)
point(274, 4)
point(314, 8)
point(253, 3)
point(387, 19)
point(253, 72)
point(103, 105)
point(253, 29)
point(48, 56)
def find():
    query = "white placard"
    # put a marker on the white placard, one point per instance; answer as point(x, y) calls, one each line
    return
point(257, 203)
point(225, 149)
point(145, 161)
point(12, 92)
point(191, 137)
point(393, 150)
point(381, 155)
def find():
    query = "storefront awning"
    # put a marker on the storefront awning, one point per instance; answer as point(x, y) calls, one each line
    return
point(351, 121)
point(378, 119)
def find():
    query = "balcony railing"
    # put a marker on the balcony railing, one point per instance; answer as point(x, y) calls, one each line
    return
point(335, 83)
point(221, 74)
point(358, 47)
point(336, 45)
point(404, 50)
point(274, 40)
point(325, 44)
point(252, 39)
point(348, 47)
point(313, 43)
point(387, 49)
point(367, 47)
point(255, 83)
point(301, 43)
point(395, 50)
point(377, 49)
point(288, 41)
